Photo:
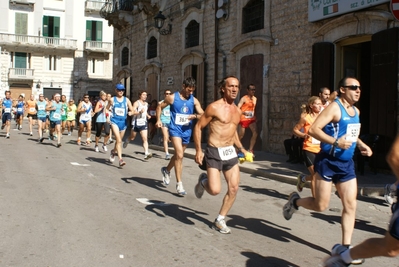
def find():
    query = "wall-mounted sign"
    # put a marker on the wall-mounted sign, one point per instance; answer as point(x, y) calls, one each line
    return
point(322, 9)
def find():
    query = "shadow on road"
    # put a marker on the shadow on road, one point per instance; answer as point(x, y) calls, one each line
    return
point(255, 260)
point(156, 184)
point(264, 191)
point(359, 224)
point(269, 229)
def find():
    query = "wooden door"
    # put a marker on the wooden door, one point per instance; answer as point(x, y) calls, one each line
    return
point(322, 67)
point(251, 70)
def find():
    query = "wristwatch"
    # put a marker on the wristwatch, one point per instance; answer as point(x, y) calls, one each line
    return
point(335, 143)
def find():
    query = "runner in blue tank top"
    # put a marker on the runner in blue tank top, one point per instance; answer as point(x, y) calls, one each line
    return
point(182, 106)
point(55, 108)
point(6, 116)
point(338, 128)
point(41, 116)
point(20, 112)
point(121, 107)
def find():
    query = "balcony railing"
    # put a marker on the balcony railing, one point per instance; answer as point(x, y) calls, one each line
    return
point(20, 74)
point(94, 5)
point(96, 46)
point(37, 41)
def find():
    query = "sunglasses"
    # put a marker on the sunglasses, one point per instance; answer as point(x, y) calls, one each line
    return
point(168, 93)
point(352, 87)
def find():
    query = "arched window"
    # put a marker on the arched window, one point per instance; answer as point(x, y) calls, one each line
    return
point(192, 34)
point(125, 56)
point(253, 16)
point(152, 47)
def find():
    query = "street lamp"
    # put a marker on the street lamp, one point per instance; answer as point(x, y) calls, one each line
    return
point(159, 21)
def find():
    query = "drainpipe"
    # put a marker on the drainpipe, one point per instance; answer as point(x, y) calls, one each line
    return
point(215, 77)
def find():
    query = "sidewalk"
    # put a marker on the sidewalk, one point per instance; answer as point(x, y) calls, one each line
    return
point(275, 167)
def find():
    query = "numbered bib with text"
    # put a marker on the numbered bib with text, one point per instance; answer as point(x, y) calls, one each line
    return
point(227, 152)
point(182, 119)
point(352, 132)
point(85, 117)
point(32, 109)
point(56, 116)
point(153, 113)
point(249, 114)
point(120, 111)
point(7, 110)
point(166, 112)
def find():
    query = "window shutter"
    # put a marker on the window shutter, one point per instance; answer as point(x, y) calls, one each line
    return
point(57, 27)
point(88, 30)
point(45, 26)
point(99, 29)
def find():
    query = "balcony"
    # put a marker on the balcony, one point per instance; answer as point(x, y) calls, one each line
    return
point(23, 2)
point(97, 47)
point(94, 5)
point(27, 41)
point(18, 74)
point(118, 12)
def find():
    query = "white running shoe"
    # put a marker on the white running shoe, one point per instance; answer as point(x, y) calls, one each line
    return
point(289, 208)
point(221, 227)
point(180, 189)
point(105, 148)
point(165, 176)
point(96, 148)
point(112, 156)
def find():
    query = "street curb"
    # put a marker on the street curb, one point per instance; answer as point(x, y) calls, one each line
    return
point(372, 190)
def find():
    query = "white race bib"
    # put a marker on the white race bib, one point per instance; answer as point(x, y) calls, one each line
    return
point(120, 111)
point(352, 132)
point(85, 117)
point(63, 112)
point(249, 114)
point(226, 153)
point(20, 109)
point(56, 116)
point(32, 110)
point(166, 112)
point(153, 113)
point(181, 119)
point(41, 107)
point(70, 114)
point(7, 110)
point(140, 122)
point(315, 141)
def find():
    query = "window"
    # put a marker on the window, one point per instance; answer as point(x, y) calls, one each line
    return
point(51, 62)
point(253, 16)
point(152, 48)
point(125, 56)
point(21, 23)
point(95, 66)
point(20, 60)
point(51, 26)
point(94, 30)
point(192, 34)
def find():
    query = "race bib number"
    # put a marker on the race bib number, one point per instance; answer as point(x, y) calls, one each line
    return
point(85, 117)
point(352, 132)
point(7, 110)
point(120, 111)
point(140, 122)
point(63, 112)
point(32, 110)
point(166, 112)
point(70, 114)
point(249, 114)
point(56, 116)
point(315, 141)
point(153, 113)
point(42, 107)
point(226, 153)
point(19, 109)
point(181, 119)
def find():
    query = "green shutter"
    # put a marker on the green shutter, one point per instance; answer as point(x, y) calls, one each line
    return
point(20, 60)
point(88, 30)
point(99, 29)
point(45, 26)
point(57, 27)
point(21, 23)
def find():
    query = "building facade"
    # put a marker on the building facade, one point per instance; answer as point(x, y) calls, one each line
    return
point(55, 46)
point(287, 50)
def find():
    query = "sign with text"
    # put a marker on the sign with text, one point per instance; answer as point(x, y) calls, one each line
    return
point(395, 8)
point(322, 9)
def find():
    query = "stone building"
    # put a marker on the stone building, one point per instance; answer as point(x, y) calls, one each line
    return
point(288, 49)
point(52, 46)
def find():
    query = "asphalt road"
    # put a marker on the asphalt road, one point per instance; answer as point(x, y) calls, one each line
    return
point(70, 206)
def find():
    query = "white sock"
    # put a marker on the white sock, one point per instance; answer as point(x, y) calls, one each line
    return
point(346, 256)
point(219, 218)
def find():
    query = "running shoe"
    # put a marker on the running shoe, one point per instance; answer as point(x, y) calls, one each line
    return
point(289, 208)
point(7, 136)
point(300, 184)
point(389, 194)
point(221, 227)
point(112, 156)
point(20, 127)
point(31, 134)
point(69, 133)
point(338, 249)
point(335, 261)
point(105, 148)
point(180, 189)
point(41, 139)
point(167, 157)
point(110, 141)
point(199, 187)
point(96, 148)
point(58, 145)
point(126, 142)
point(121, 163)
point(79, 142)
point(2, 126)
point(165, 176)
point(148, 156)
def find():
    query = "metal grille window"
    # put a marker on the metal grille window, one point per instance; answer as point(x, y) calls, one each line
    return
point(192, 34)
point(253, 16)
point(125, 56)
point(152, 48)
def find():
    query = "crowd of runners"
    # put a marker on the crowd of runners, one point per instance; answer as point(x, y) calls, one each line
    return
point(329, 127)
